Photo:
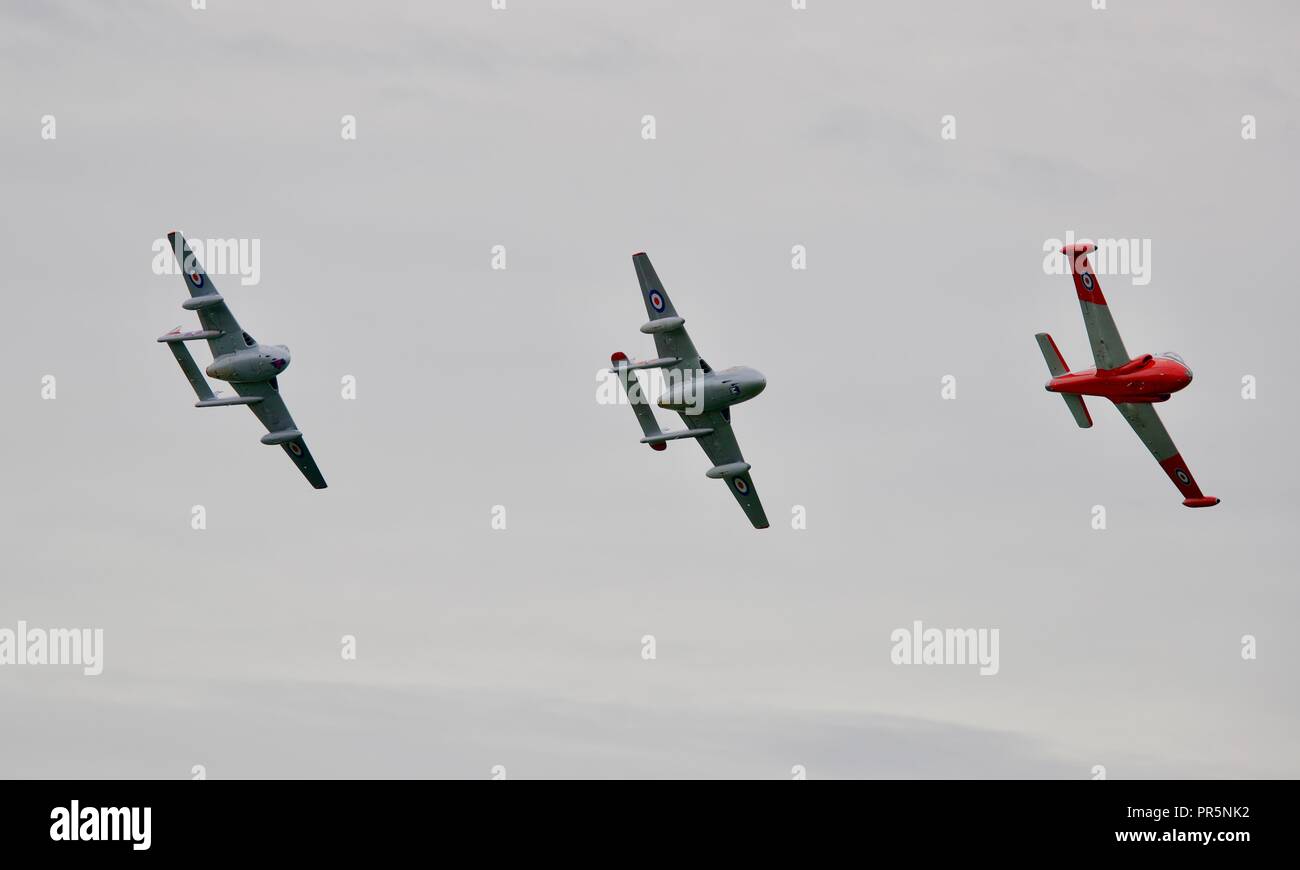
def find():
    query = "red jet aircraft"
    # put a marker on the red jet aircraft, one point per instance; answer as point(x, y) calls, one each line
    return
point(1134, 385)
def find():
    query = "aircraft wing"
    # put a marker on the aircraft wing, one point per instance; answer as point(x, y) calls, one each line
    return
point(722, 448)
point(281, 429)
point(1107, 347)
point(665, 325)
point(206, 301)
point(1146, 423)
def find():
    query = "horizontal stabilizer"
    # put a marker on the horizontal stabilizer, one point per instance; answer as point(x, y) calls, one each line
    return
point(196, 335)
point(222, 401)
point(1052, 354)
point(1078, 409)
point(197, 302)
point(281, 437)
point(639, 365)
point(731, 469)
point(673, 436)
point(1056, 365)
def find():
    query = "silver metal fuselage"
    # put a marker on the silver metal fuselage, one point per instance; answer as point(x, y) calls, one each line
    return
point(260, 362)
point(699, 392)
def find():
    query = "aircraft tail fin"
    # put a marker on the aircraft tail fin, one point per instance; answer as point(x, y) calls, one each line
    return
point(640, 404)
point(191, 369)
point(1056, 365)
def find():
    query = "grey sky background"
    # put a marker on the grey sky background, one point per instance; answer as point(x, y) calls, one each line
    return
point(477, 387)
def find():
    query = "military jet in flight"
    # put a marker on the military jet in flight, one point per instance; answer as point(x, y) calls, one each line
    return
point(703, 397)
point(1133, 384)
point(251, 368)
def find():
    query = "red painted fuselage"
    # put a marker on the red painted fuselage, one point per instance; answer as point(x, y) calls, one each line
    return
point(1145, 379)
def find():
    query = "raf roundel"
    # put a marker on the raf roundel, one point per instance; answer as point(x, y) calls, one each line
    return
point(196, 279)
point(656, 300)
point(741, 486)
point(1086, 279)
point(294, 448)
point(1182, 476)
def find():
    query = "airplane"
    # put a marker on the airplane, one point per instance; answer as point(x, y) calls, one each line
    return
point(1134, 385)
point(251, 368)
point(701, 396)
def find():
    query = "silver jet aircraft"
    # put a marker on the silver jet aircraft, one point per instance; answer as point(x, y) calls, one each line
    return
point(703, 397)
point(251, 368)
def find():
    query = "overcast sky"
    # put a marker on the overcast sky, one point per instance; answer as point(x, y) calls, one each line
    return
point(477, 387)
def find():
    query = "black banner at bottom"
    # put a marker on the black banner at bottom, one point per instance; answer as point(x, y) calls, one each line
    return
point(334, 819)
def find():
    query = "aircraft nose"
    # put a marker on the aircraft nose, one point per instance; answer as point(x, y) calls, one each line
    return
point(760, 383)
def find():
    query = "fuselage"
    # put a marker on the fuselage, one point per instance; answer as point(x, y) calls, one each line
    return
point(699, 392)
point(260, 362)
point(1148, 378)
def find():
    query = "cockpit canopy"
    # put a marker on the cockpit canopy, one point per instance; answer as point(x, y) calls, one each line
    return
point(1169, 354)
